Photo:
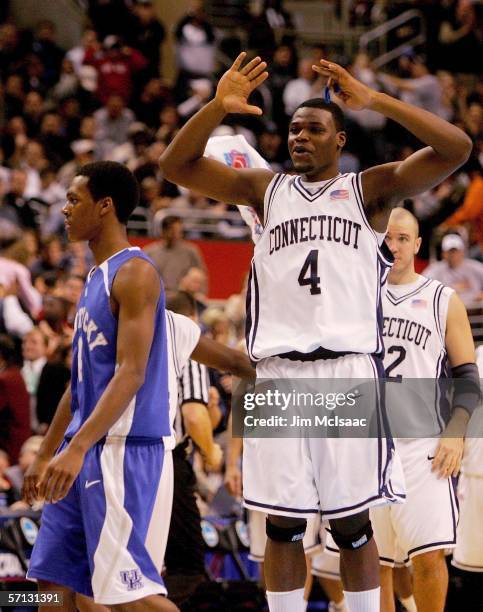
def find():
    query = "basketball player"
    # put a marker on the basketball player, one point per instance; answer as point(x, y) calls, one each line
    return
point(183, 341)
point(313, 304)
point(101, 486)
point(425, 324)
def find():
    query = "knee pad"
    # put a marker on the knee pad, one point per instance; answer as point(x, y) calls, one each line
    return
point(285, 534)
point(355, 540)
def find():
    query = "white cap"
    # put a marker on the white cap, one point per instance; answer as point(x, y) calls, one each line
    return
point(452, 241)
point(80, 147)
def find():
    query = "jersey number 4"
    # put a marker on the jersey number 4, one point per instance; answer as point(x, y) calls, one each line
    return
point(308, 273)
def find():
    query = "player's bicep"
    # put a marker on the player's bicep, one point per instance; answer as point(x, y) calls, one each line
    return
point(136, 290)
point(459, 339)
point(245, 186)
point(396, 181)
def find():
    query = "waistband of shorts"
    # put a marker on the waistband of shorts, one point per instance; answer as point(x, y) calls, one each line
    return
point(128, 440)
point(319, 353)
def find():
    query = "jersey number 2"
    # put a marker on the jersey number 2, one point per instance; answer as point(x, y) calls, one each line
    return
point(399, 359)
point(308, 273)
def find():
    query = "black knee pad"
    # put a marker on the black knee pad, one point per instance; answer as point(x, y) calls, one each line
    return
point(285, 534)
point(355, 540)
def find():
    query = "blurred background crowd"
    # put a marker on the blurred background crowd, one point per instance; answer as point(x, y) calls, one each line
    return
point(109, 96)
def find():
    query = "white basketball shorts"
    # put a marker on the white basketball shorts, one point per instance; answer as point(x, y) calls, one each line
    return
point(336, 477)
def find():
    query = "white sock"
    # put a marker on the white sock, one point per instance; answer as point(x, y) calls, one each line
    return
point(409, 603)
point(363, 601)
point(286, 601)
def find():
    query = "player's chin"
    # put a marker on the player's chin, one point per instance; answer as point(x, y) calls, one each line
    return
point(302, 167)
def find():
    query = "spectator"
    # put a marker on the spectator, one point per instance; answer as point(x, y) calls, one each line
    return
point(154, 97)
point(51, 137)
point(116, 66)
point(195, 48)
point(14, 402)
point(68, 82)
point(471, 211)
point(46, 50)
point(146, 34)
point(7, 493)
point(77, 54)
point(460, 44)
point(112, 124)
point(109, 17)
point(54, 378)
point(14, 96)
point(34, 354)
point(306, 86)
point(53, 194)
point(15, 204)
point(84, 153)
point(195, 282)
point(422, 89)
point(172, 255)
point(464, 275)
point(15, 473)
point(52, 258)
point(33, 111)
point(16, 274)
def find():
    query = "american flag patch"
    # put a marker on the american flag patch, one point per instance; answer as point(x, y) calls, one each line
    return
point(419, 303)
point(339, 194)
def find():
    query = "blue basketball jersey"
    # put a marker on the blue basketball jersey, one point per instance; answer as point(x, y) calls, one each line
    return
point(94, 358)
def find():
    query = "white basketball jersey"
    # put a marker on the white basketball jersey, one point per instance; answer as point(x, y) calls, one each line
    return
point(317, 272)
point(182, 337)
point(414, 332)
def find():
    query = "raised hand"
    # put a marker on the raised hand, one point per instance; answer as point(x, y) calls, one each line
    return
point(350, 91)
point(238, 83)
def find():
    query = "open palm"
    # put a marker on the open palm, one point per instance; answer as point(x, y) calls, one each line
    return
point(354, 94)
point(238, 83)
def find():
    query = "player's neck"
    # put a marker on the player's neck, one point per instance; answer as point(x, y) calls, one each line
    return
point(404, 277)
point(109, 242)
point(321, 174)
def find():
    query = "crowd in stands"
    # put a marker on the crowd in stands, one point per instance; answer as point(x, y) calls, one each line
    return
point(106, 98)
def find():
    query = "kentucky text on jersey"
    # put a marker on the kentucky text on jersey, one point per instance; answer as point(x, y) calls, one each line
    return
point(320, 227)
point(404, 329)
point(88, 325)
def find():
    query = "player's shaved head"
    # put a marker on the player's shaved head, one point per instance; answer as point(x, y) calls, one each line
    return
point(401, 216)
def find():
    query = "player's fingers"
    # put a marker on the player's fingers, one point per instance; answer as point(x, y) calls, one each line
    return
point(447, 466)
point(63, 487)
point(321, 70)
point(250, 66)
point(27, 490)
point(238, 62)
point(252, 110)
point(331, 67)
point(438, 460)
point(50, 487)
point(259, 68)
point(259, 80)
point(42, 484)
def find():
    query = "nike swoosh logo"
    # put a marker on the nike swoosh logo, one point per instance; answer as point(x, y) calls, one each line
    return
point(92, 482)
point(430, 458)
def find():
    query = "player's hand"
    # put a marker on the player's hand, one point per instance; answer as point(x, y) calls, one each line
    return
point(233, 481)
point(32, 478)
point(349, 90)
point(238, 83)
point(61, 472)
point(214, 459)
point(448, 456)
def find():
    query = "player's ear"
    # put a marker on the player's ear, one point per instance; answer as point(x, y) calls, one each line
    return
point(106, 205)
point(417, 245)
point(341, 138)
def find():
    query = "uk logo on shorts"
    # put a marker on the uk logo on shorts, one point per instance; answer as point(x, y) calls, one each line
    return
point(237, 159)
point(133, 579)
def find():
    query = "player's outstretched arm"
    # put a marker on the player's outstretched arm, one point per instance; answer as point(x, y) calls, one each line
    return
point(136, 290)
point(216, 355)
point(50, 443)
point(183, 162)
point(386, 185)
point(461, 351)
